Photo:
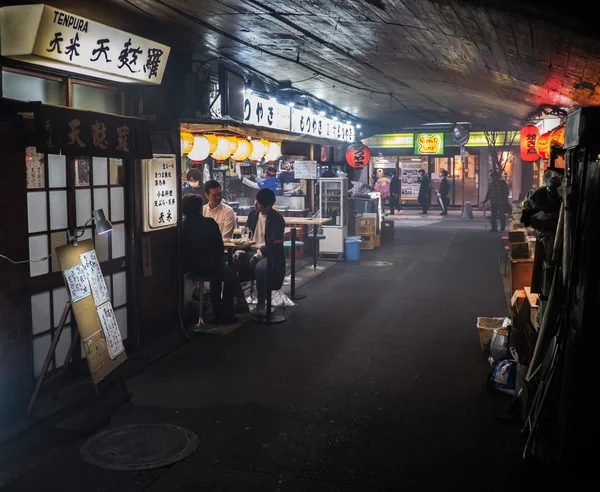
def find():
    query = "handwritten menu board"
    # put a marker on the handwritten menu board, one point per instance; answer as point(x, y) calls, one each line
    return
point(93, 311)
point(305, 169)
point(35, 168)
point(160, 199)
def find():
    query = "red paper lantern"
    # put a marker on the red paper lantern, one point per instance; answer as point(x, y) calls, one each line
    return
point(529, 138)
point(358, 155)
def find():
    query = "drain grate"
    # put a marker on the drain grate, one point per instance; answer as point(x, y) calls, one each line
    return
point(139, 447)
point(376, 263)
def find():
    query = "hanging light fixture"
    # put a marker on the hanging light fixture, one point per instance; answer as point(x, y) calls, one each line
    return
point(213, 141)
point(244, 150)
point(274, 152)
point(187, 142)
point(258, 150)
point(222, 151)
point(201, 148)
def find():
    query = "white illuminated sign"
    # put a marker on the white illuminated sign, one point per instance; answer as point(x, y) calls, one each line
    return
point(267, 113)
point(264, 112)
point(304, 121)
point(160, 198)
point(42, 35)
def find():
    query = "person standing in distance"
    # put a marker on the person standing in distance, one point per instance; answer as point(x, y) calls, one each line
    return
point(497, 195)
point(444, 191)
point(424, 191)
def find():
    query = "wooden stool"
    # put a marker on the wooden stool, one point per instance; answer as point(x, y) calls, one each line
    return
point(200, 280)
point(293, 244)
point(503, 242)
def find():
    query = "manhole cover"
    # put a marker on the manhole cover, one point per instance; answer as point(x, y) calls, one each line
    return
point(377, 263)
point(139, 447)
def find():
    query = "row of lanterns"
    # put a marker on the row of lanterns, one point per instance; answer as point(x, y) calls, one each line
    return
point(220, 147)
point(534, 146)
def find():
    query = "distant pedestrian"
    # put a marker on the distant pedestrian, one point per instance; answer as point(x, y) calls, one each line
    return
point(444, 192)
point(497, 196)
point(395, 189)
point(424, 191)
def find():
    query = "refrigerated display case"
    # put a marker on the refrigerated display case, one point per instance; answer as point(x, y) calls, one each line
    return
point(333, 193)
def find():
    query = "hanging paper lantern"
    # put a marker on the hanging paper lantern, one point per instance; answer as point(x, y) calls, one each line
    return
point(557, 136)
point(358, 155)
point(244, 150)
point(267, 145)
point(274, 152)
point(543, 146)
point(213, 140)
point(258, 150)
point(201, 148)
point(187, 142)
point(222, 152)
point(233, 144)
point(529, 137)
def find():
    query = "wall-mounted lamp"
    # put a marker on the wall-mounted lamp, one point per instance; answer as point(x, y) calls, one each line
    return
point(103, 226)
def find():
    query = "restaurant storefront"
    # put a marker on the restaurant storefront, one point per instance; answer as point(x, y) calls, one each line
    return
point(405, 154)
point(297, 142)
point(69, 153)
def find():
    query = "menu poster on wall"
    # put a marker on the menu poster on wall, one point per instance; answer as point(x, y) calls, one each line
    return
point(90, 263)
point(35, 168)
point(410, 180)
point(78, 283)
point(160, 199)
point(110, 328)
point(305, 169)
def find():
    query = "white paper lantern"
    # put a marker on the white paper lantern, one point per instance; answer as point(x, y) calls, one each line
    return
point(258, 150)
point(274, 152)
point(201, 148)
point(222, 151)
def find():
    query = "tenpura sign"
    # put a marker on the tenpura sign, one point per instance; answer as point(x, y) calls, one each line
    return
point(268, 113)
point(429, 143)
point(42, 35)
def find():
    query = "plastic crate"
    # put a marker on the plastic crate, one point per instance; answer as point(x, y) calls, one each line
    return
point(486, 327)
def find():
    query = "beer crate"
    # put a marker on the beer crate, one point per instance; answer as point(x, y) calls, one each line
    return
point(366, 226)
point(368, 241)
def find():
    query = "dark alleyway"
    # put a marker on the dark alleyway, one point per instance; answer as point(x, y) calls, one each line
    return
point(375, 382)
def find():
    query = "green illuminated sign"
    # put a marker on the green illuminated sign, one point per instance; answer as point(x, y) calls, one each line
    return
point(429, 143)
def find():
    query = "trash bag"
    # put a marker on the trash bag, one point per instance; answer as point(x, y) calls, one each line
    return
point(505, 378)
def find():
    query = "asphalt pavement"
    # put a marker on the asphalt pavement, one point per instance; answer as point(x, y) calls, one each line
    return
point(375, 382)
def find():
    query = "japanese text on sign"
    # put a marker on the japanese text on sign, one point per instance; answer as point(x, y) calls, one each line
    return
point(161, 200)
point(75, 41)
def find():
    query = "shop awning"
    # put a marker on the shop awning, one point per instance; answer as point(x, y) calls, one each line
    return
point(234, 128)
point(60, 130)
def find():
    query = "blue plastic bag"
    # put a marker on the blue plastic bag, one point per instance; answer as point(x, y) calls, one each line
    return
point(505, 377)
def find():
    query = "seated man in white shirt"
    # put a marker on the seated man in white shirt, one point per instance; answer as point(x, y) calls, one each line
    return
point(223, 214)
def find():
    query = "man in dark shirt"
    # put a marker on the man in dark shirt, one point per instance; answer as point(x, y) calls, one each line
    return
point(268, 257)
point(202, 255)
